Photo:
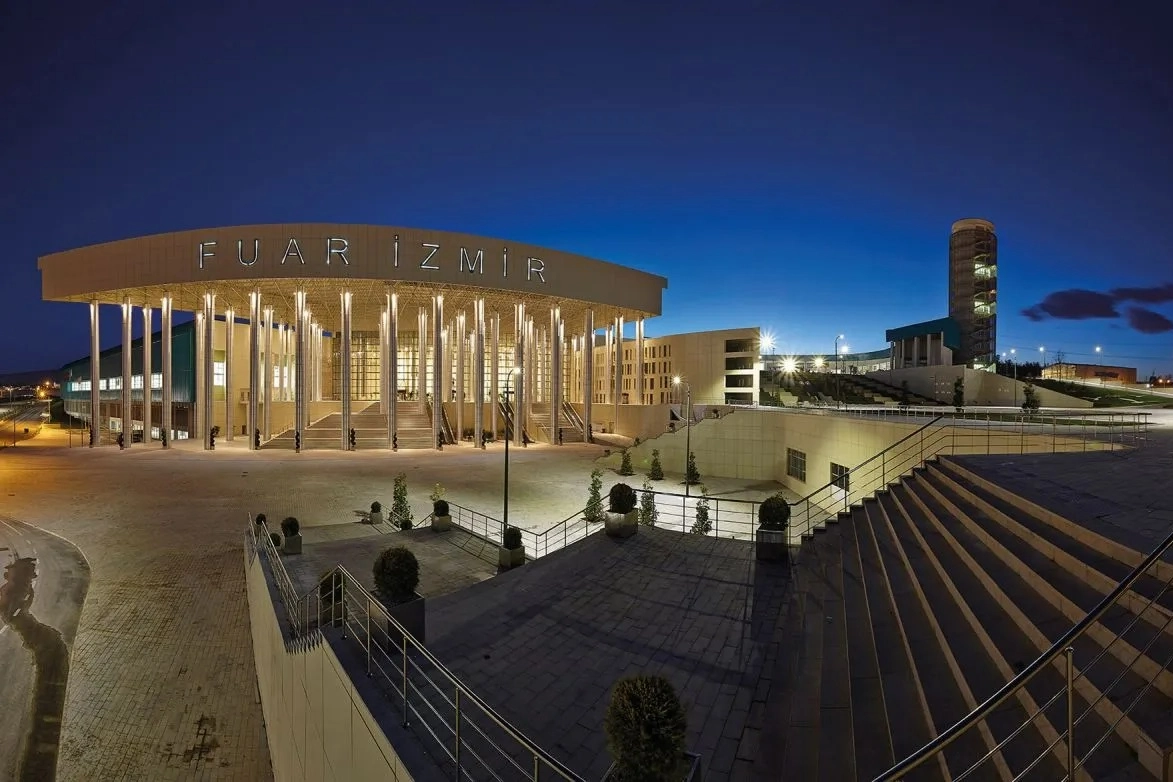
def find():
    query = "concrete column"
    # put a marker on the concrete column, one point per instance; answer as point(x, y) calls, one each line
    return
point(254, 366)
point(165, 359)
point(268, 372)
point(519, 363)
point(916, 351)
point(458, 338)
point(588, 372)
point(299, 359)
point(422, 349)
point(127, 398)
point(639, 363)
point(279, 358)
point(344, 357)
point(556, 344)
point(229, 401)
point(95, 377)
point(393, 363)
point(148, 327)
point(618, 366)
point(478, 372)
point(495, 374)
point(207, 420)
point(319, 344)
point(438, 368)
point(197, 401)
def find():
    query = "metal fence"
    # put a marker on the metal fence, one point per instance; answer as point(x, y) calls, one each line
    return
point(465, 736)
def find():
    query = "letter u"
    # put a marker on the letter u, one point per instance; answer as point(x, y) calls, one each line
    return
point(240, 252)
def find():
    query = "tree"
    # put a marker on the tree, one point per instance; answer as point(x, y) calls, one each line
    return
point(649, 514)
point(400, 509)
point(594, 507)
point(693, 475)
point(959, 393)
point(625, 464)
point(1030, 399)
point(702, 525)
point(656, 473)
point(904, 393)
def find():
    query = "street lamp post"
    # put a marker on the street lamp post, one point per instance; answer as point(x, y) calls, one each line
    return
point(508, 435)
point(676, 381)
point(838, 370)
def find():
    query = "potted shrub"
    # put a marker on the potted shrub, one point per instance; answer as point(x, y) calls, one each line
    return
point(511, 553)
point(397, 574)
point(621, 519)
point(441, 520)
point(773, 542)
point(376, 516)
point(291, 529)
point(646, 728)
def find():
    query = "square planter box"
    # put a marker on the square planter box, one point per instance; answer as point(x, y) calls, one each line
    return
point(772, 545)
point(412, 615)
point(375, 517)
point(441, 523)
point(509, 558)
point(692, 771)
point(621, 525)
point(292, 544)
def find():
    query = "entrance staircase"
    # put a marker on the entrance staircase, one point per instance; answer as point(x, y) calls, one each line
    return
point(571, 428)
point(370, 429)
point(923, 601)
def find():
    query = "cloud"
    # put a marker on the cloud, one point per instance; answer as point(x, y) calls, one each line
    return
point(1148, 322)
point(1073, 304)
point(1157, 294)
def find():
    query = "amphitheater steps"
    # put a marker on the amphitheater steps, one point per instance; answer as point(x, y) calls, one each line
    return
point(923, 601)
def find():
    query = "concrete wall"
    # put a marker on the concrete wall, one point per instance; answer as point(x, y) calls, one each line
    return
point(981, 388)
point(317, 725)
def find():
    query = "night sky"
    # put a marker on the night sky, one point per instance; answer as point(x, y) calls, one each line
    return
point(790, 165)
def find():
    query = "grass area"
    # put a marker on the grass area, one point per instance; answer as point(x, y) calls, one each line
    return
point(1106, 396)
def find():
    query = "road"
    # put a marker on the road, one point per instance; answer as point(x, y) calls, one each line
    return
point(16, 418)
point(34, 656)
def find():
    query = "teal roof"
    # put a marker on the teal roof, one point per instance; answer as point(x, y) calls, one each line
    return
point(946, 326)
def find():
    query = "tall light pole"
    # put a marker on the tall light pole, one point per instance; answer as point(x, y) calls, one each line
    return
point(676, 381)
point(838, 368)
point(508, 435)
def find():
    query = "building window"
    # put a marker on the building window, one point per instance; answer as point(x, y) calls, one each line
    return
point(156, 380)
point(796, 464)
point(218, 368)
point(136, 382)
point(841, 476)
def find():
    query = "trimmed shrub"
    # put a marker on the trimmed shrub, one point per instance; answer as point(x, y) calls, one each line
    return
point(702, 525)
point(275, 537)
point(774, 513)
point(511, 538)
point(400, 508)
point(290, 526)
point(376, 506)
point(646, 728)
point(625, 464)
point(656, 473)
point(594, 507)
point(397, 574)
point(621, 498)
point(437, 494)
point(1030, 399)
point(693, 476)
point(260, 519)
point(649, 514)
point(959, 394)
point(440, 508)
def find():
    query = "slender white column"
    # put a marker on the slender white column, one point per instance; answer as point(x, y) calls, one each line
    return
point(588, 372)
point(207, 419)
point(196, 408)
point(438, 368)
point(459, 337)
point(299, 400)
point(268, 384)
point(393, 367)
point(254, 367)
point(165, 359)
point(519, 345)
point(148, 327)
point(127, 399)
point(95, 377)
point(555, 373)
point(478, 372)
point(280, 359)
point(639, 363)
point(495, 374)
point(422, 349)
point(229, 399)
point(344, 356)
point(618, 366)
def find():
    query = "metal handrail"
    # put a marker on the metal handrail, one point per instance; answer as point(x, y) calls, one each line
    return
point(1059, 647)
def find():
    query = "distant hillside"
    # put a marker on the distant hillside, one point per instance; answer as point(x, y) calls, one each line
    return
point(30, 377)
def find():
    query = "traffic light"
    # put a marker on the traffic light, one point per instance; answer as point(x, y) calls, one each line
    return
point(352, 439)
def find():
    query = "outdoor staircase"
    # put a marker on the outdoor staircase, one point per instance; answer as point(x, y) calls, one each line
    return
point(571, 431)
point(414, 430)
point(923, 601)
point(876, 386)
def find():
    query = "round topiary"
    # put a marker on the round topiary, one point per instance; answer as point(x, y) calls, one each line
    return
point(621, 498)
point(290, 526)
point(275, 538)
point(511, 539)
point(774, 513)
point(260, 519)
point(376, 507)
point(646, 727)
point(440, 508)
point(397, 574)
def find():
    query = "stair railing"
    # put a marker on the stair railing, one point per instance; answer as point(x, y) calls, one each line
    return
point(1062, 747)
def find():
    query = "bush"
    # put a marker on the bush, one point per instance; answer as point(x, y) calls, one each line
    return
point(594, 507)
point(625, 464)
point(275, 537)
point(959, 394)
point(290, 526)
point(646, 727)
point(649, 514)
point(621, 498)
point(702, 525)
point(1030, 399)
point(400, 508)
point(437, 493)
point(774, 513)
point(693, 476)
point(260, 519)
point(440, 508)
point(511, 538)
point(656, 473)
point(397, 574)
point(376, 506)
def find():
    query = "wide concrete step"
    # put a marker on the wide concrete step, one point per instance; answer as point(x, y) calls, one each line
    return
point(800, 758)
point(1024, 626)
point(835, 697)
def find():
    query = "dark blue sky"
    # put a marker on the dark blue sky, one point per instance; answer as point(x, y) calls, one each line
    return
point(790, 165)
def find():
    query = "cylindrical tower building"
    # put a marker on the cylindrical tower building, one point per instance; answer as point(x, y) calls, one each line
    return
point(973, 291)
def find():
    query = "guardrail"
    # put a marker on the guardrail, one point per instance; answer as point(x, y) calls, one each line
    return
point(465, 736)
point(728, 517)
